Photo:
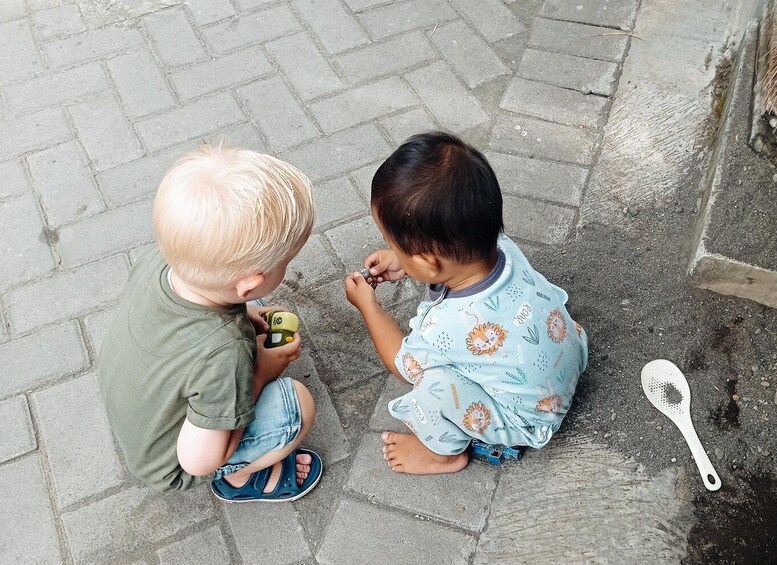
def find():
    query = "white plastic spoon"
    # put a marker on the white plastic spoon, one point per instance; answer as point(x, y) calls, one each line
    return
point(666, 389)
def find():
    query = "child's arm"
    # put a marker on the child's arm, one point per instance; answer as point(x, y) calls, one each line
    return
point(384, 331)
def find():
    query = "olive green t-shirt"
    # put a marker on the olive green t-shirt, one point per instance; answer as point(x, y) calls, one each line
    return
point(165, 359)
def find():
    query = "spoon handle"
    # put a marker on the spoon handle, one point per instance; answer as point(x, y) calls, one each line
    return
point(706, 470)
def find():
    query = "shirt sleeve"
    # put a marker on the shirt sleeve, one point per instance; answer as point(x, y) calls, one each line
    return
point(221, 388)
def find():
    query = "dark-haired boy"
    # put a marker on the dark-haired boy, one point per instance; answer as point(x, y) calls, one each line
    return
point(493, 354)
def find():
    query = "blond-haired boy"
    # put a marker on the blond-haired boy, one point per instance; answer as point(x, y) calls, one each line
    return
point(191, 392)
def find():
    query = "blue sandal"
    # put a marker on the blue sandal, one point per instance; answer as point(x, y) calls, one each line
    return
point(286, 490)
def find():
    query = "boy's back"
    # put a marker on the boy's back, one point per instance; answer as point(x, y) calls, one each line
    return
point(165, 359)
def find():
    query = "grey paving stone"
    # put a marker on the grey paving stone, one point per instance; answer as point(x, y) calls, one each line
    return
point(537, 221)
point(91, 44)
point(607, 13)
point(339, 153)
point(335, 201)
point(313, 265)
point(14, 178)
point(24, 253)
point(242, 135)
point(65, 184)
point(217, 74)
point(192, 120)
point(392, 56)
point(327, 437)
point(568, 71)
point(491, 18)
point(27, 522)
point(33, 131)
point(207, 546)
point(277, 113)
point(106, 233)
point(345, 354)
point(74, 428)
point(250, 29)
point(404, 16)
point(207, 12)
point(578, 39)
point(245, 5)
point(469, 55)
point(174, 38)
point(49, 353)
point(67, 294)
point(421, 541)
point(139, 178)
point(105, 132)
point(146, 518)
point(553, 103)
point(599, 490)
point(19, 57)
point(402, 126)
point(304, 66)
point(382, 419)
point(363, 179)
point(359, 5)
point(267, 533)
point(18, 436)
point(141, 86)
point(467, 493)
point(136, 253)
point(59, 21)
point(362, 104)
point(447, 99)
point(52, 90)
point(12, 9)
point(522, 176)
point(528, 136)
point(332, 24)
point(97, 326)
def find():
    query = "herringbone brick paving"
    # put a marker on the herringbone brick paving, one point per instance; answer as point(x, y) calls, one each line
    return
point(99, 98)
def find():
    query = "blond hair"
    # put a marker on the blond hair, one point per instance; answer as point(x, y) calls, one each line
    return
point(222, 213)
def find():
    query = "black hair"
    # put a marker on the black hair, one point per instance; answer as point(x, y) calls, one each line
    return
point(436, 194)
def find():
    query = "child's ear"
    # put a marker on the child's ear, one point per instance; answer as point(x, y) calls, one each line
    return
point(429, 263)
point(246, 285)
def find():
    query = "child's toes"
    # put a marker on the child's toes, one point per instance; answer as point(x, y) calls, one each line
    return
point(387, 438)
point(303, 468)
point(304, 459)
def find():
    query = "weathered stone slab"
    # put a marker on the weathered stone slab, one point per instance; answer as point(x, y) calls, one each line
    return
point(74, 428)
point(97, 325)
point(569, 71)
point(421, 541)
point(335, 27)
point(27, 523)
point(174, 38)
point(91, 44)
point(522, 176)
point(313, 265)
point(267, 533)
point(24, 253)
point(569, 497)
point(140, 82)
point(52, 352)
point(538, 138)
point(14, 178)
point(249, 29)
point(469, 55)
point(461, 499)
point(18, 56)
point(609, 13)
point(537, 221)
point(389, 57)
point(553, 103)
point(18, 435)
point(55, 89)
point(491, 18)
point(146, 517)
point(336, 200)
point(401, 126)
point(207, 546)
point(404, 16)
point(381, 419)
point(304, 66)
point(33, 131)
point(578, 39)
point(59, 21)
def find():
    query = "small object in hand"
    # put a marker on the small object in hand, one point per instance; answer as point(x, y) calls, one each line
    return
point(281, 328)
point(494, 454)
point(365, 273)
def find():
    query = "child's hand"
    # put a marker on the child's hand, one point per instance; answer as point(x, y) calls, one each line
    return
point(270, 363)
point(384, 266)
point(359, 292)
point(258, 316)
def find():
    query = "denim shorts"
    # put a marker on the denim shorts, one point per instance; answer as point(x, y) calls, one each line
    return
point(277, 421)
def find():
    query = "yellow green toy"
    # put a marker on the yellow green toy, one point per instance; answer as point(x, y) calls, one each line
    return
point(283, 326)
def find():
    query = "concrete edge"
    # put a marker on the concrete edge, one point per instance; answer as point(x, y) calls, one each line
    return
point(726, 276)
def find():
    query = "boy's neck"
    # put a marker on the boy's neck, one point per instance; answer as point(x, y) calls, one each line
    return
point(465, 275)
point(195, 295)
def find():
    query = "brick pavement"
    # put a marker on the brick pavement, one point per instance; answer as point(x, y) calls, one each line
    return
point(98, 99)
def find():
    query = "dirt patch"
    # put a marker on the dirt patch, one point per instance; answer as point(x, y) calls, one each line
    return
point(737, 524)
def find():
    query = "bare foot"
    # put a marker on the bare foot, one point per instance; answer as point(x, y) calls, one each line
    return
point(304, 460)
point(406, 454)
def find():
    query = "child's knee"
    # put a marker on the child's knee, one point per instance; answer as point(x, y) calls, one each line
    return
point(307, 405)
